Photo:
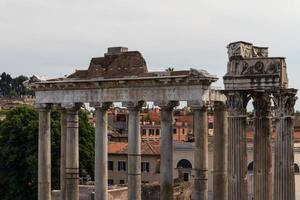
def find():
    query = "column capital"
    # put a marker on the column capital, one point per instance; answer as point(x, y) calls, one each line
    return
point(197, 105)
point(284, 101)
point(220, 105)
point(237, 102)
point(134, 105)
point(262, 103)
point(101, 105)
point(71, 106)
point(43, 106)
point(167, 105)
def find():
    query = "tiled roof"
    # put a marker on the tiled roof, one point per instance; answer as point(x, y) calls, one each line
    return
point(147, 148)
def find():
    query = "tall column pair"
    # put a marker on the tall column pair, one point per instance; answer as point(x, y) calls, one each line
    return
point(69, 145)
point(237, 145)
point(200, 129)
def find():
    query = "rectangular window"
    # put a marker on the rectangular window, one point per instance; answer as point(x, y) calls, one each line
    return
point(122, 182)
point(144, 131)
point(210, 125)
point(157, 132)
point(121, 166)
point(110, 182)
point(151, 131)
point(174, 131)
point(183, 131)
point(145, 167)
point(110, 165)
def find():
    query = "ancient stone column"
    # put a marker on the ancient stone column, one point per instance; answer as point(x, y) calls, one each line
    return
point(44, 153)
point(200, 191)
point(134, 150)
point(101, 174)
point(284, 178)
point(72, 155)
point(63, 134)
point(262, 146)
point(237, 146)
point(166, 150)
point(220, 179)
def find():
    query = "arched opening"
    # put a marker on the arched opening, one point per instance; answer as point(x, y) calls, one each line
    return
point(184, 168)
point(250, 167)
point(184, 163)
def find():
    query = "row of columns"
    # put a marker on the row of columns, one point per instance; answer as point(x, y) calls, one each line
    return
point(70, 157)
point(230, 150)
point(284, 183)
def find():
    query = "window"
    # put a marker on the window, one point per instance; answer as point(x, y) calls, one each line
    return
point(121, 166)
point(174, 131)
point(110, 182)
point(296, 168)
point(144, 131)
point(157, 132)
point(145, 167)
point(122, 182)
point(151, 131)
point(183, 131)
point(185, 177)
point(110, 165)
point(210, 125)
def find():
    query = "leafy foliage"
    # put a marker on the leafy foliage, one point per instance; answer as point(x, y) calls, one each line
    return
point(11, 87)
point(19, 152)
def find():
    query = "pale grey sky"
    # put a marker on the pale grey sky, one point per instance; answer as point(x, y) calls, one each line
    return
point(55, 37)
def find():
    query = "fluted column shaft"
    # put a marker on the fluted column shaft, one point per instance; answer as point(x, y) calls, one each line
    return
point(72, 156)
point(44, 153)
point(134, 152)
point(237, 146)
point(166, 151)
point(284, 178)
point(101, 174)
point(200, 153)
point(63, 134)
point(262, 146)
point(220, 179)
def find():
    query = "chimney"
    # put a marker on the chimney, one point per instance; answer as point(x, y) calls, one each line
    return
point(116, 50)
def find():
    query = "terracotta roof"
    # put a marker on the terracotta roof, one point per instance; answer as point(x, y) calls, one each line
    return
point(117, 147)
point(250, 135)
point(147, 148)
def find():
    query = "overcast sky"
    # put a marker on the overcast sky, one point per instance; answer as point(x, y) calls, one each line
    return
point(55, 37)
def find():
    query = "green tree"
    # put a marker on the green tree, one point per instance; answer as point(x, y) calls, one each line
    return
point(5, 84)
point(12, 87)
point(18, 86)
point(19, 152)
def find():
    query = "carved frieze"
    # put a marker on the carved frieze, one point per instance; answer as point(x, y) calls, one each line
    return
point(260, 52)
point(239, 49)
point(256, 66)
point(245, 50)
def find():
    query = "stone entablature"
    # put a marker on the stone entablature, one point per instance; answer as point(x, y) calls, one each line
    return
point(250, 68)
point(193, 86)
